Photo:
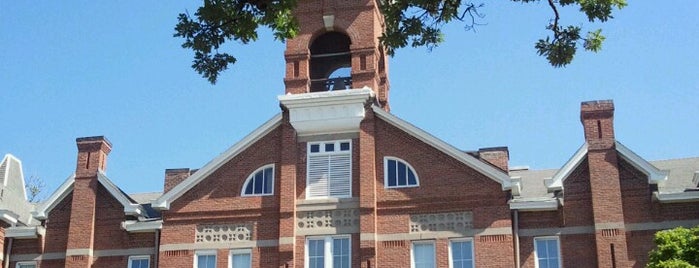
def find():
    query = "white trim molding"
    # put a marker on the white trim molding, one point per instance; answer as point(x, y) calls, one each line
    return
point(326, 112)
point(680, 197)
point(142, 226)
point(25, 232)
point(535, 204)
point(164, 201)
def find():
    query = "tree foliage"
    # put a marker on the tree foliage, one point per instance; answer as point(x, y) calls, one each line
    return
point(675, 248)
point(34, 188)
point(408, 22)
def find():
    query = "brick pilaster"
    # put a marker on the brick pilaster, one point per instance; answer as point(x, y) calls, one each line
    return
point(367, 190)
point(287, 194)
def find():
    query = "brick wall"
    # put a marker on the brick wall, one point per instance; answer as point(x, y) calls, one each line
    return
point(217, 200)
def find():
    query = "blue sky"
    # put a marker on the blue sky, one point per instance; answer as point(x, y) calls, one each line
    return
point(80, 68)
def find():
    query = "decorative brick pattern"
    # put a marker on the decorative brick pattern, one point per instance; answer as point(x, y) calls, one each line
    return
point(223, 233)
point(435, 222)
point(328, 219)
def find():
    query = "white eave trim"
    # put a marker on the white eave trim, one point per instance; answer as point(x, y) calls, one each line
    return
point(129, 208)
point(556, 182)
point(44, 208)
point(164, 201)
point(681, 197)
point(142, 226)
point(25, 232)
point(551, 204)
point(446, 148)
point(9, 217)
point(654, 174)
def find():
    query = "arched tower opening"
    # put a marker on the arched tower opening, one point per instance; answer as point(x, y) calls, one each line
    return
point(330, 62)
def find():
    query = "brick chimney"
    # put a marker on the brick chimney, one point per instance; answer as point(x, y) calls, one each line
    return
point(92, 158)
point(605, 187)
point(597, 118)
point(496, 156)
point(92, 155)
point(175, 176)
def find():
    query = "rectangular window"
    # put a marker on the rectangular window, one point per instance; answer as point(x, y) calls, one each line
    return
point(329, 170)
point(461, 253)
point(423, 255)
point(139, 261)
point(330, 251)
point(26, 264)
point(547, 252)
point(205, 259)
point(240, 258)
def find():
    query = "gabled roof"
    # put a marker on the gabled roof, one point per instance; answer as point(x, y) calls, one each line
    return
point(164, 201)
point(14, 208)
point(11, 168)
point(485, 169)
point(130, 206)
point(655, 175)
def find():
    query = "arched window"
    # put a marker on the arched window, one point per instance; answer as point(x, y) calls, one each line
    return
point(330, 52)
point(398, 173)
point(261, 182)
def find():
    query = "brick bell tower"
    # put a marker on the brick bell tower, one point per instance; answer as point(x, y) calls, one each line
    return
point(337, 48)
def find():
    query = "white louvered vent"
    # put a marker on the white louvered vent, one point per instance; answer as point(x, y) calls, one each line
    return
point(329, 169)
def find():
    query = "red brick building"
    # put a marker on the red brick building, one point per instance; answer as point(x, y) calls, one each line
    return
point(336, 180)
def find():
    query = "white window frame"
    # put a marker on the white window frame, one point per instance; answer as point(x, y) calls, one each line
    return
point(558, 248)
point(327, 248)
point(139, 257)
point(322, 152)
point(239, 252)
point(25, 263)
point(460, 240)
point(385, 173)
point(423, 242)
point(251, 178)
point(204, 253)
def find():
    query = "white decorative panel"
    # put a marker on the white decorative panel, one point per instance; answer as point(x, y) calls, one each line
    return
point(328, 221)
point(223, 233)
point(437, 222)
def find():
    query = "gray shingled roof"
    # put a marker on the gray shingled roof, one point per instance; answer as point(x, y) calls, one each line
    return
point(145, 198)
point(681, 173)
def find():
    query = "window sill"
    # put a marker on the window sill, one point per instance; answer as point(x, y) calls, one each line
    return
point(327, 204)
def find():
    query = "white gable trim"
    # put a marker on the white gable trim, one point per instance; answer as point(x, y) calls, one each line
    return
point(164, 201)
point(446, 148)
point(129, 208)
point(556, 182)
point(654, 174)
point(44, 208)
